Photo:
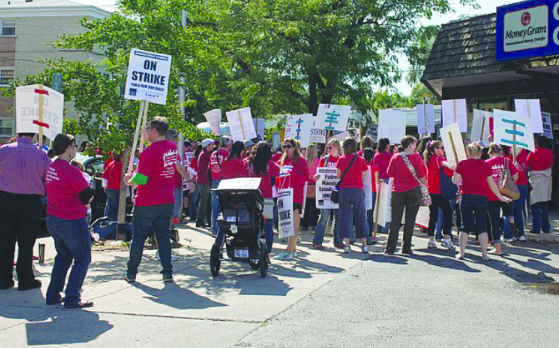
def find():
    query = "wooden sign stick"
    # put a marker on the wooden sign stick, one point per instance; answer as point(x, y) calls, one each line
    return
point(425, 118)
point(144, 123)
point(453, 147)
point(41, 112)
point(136, 136)
point(482, 128)
point(241, 121)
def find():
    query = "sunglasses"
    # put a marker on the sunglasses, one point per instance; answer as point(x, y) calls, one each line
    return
point(287, 146)
point(330, 147)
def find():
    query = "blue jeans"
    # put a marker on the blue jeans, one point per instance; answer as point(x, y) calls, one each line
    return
point(177, 207)
point(73, 244)
point(215, 207)
point(143, 219)
point(194, 201)
point(269, 228)
point(540, 217)
point(474, 213)
point(495, 220)
point(323, 223)
point(111, 208)
point(518, 209)
point(352, 203)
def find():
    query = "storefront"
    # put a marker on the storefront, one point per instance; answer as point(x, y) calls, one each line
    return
point(492, 60)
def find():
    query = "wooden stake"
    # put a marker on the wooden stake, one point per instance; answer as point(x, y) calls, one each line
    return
point(453, 147)
point(241, 121)
point(482, 128)
point(136, 135)
point(425, 118)
point(144, 123)
point(41, 112)
point(121, 219)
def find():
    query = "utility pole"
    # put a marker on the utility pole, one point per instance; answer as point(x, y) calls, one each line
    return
point(181, 91)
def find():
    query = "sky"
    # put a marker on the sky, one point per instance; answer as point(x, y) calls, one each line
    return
point(485, 7)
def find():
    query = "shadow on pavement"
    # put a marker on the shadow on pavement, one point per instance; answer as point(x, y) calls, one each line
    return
point(173, 295)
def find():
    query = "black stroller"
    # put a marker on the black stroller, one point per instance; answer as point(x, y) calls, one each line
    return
point(242, 225)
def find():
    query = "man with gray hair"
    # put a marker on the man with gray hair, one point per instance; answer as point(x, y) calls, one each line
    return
point(216, 161)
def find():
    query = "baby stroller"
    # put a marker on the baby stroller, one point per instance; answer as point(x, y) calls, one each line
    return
point(242, 225)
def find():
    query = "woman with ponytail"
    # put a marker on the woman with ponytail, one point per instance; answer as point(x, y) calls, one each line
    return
point(434, 159)
point(68, 194)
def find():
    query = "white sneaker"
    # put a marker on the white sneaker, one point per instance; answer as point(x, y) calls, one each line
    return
point(447, 243)
point(432, 245)
point(508, 240)
point(173, 257)
point(522, 238)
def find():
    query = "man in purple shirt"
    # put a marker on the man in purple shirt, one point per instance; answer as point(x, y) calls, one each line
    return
point(203, 181)
point(23, 167)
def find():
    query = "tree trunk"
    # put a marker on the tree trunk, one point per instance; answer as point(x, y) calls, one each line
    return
point(313, 95)
point(121, 229)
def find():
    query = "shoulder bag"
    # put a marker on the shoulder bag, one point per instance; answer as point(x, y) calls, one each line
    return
point(507, 185)
point(448, 189)
point(335, 197)
point(425, 196)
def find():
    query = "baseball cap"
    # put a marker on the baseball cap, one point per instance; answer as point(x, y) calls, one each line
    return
point(207, 142)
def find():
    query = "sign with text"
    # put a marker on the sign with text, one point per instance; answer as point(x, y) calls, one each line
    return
point(373, 133)
point(285, 213)
point(28, 116)
point(547, 125)
point(241, 125)
point(299, 127)
point(333, 117)
point(148, 76)
point(318, 136)
point(513, 129)
point(324, 186)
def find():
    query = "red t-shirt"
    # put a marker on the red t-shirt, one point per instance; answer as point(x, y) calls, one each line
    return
point(202, 168)
point(374, 170)
point(216, 165)
point(382, 160)
point(497, 166)
point(272, 171)
point(474, 173)
point(158, 162)
point(433, 184)
point(332, 162)
point(312, 170)
point(541, 159)
point(277, 156)
point(403, 178)
point(354, 177)
point(113, 175)
point(64, 183)
point(294, 175)
point(522, 166)
point(232, 168)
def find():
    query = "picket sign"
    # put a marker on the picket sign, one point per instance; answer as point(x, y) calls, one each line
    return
point(241, 124)
point(513, 129)
point(148, 76)
point(480, 126)
point(530, 108)
point(453, 143)
point(318, 136)
point(299, 127)
point(333, 117)
point(214, 120)
point(425, 118)
point(285, 213)
point(392, 125)
point(454, 111)
point(324, 186)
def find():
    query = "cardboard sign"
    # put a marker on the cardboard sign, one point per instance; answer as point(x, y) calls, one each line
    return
point(513, 129)
point(333, 117)
point(148, 76)
point(275, 140)
point(318, 136)
point(530, 108)
point(259, 126)
point(382, 209)
point(214, 119)
point(453, 144)
point(285, 213)
point(425, 118)
point(241, 125)
point(373, 133)
point(480, 126)
point(547, 125)
point(28, 116)
point(324, 186)
point(299, 127)
point(454, 111)
point(392, 125)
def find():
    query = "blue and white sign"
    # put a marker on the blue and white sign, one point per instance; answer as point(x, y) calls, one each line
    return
point(148, 76)
point(527, 29)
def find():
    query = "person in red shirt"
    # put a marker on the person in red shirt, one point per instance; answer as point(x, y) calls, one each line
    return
point(261, 165)
point(368, 155)
point(365, 143)
point(195, 197)
point(328, 161)
point(540, 163)
point(216, 162)
point(203, 182)
point(475, 177)
point(113, 175)
point(435, 160)
point(351, 171)
point(294, 173)
point(154, 201)
point(406, 193)
point(232, 167)
point(495, 204)
point(522, 184)
point(310, 218)
point(68, 194)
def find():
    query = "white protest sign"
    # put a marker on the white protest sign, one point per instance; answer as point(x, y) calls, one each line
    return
point(214, 119)
point(422, 217)
point(318, 136)
point(513, 129)
point(530, 108)
point(148, 76)
point(251, 184)
point(341, 136)
point(324, 186)
point(333, 117)
point(392, 125)
point(259, 126)
point(241, 125)
point(480, 126)
point(547, 125)
point(28, 116)
point(453, 144)
point(368, 189)
point(454, 111)
point(299, 127)
point(275, 140)
point(285, 213)
point(425, 118)
point(382, 209)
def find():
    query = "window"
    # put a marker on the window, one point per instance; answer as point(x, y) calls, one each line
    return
point(8, 28)
point(6, 127)
point(6, 75)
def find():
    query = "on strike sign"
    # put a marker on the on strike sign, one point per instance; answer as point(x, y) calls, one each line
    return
point(148, 76)
point(28, 110)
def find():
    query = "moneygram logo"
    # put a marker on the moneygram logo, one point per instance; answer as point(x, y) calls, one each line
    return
point(526, 29)
point(526, 18)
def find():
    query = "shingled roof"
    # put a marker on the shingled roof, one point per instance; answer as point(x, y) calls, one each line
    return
point(466, 48)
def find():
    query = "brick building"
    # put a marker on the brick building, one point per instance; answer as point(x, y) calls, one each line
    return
point(27, 29)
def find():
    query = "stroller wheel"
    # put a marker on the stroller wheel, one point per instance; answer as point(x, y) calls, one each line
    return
point(215, 262)
point(254, 264)
point(264, 262)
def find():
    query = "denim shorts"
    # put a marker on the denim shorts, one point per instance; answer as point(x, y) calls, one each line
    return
point(474, 213)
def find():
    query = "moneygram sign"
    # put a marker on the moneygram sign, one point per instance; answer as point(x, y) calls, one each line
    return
point(527, 29)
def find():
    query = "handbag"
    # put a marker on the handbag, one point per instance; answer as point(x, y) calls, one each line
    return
point(425, 196)
point(448, 189)
point(507, 186)
point(335, 196)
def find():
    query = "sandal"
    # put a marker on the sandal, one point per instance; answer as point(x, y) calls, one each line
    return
point(78, 305)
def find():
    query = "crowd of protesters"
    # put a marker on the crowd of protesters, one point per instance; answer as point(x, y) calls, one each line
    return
point(171, 185)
